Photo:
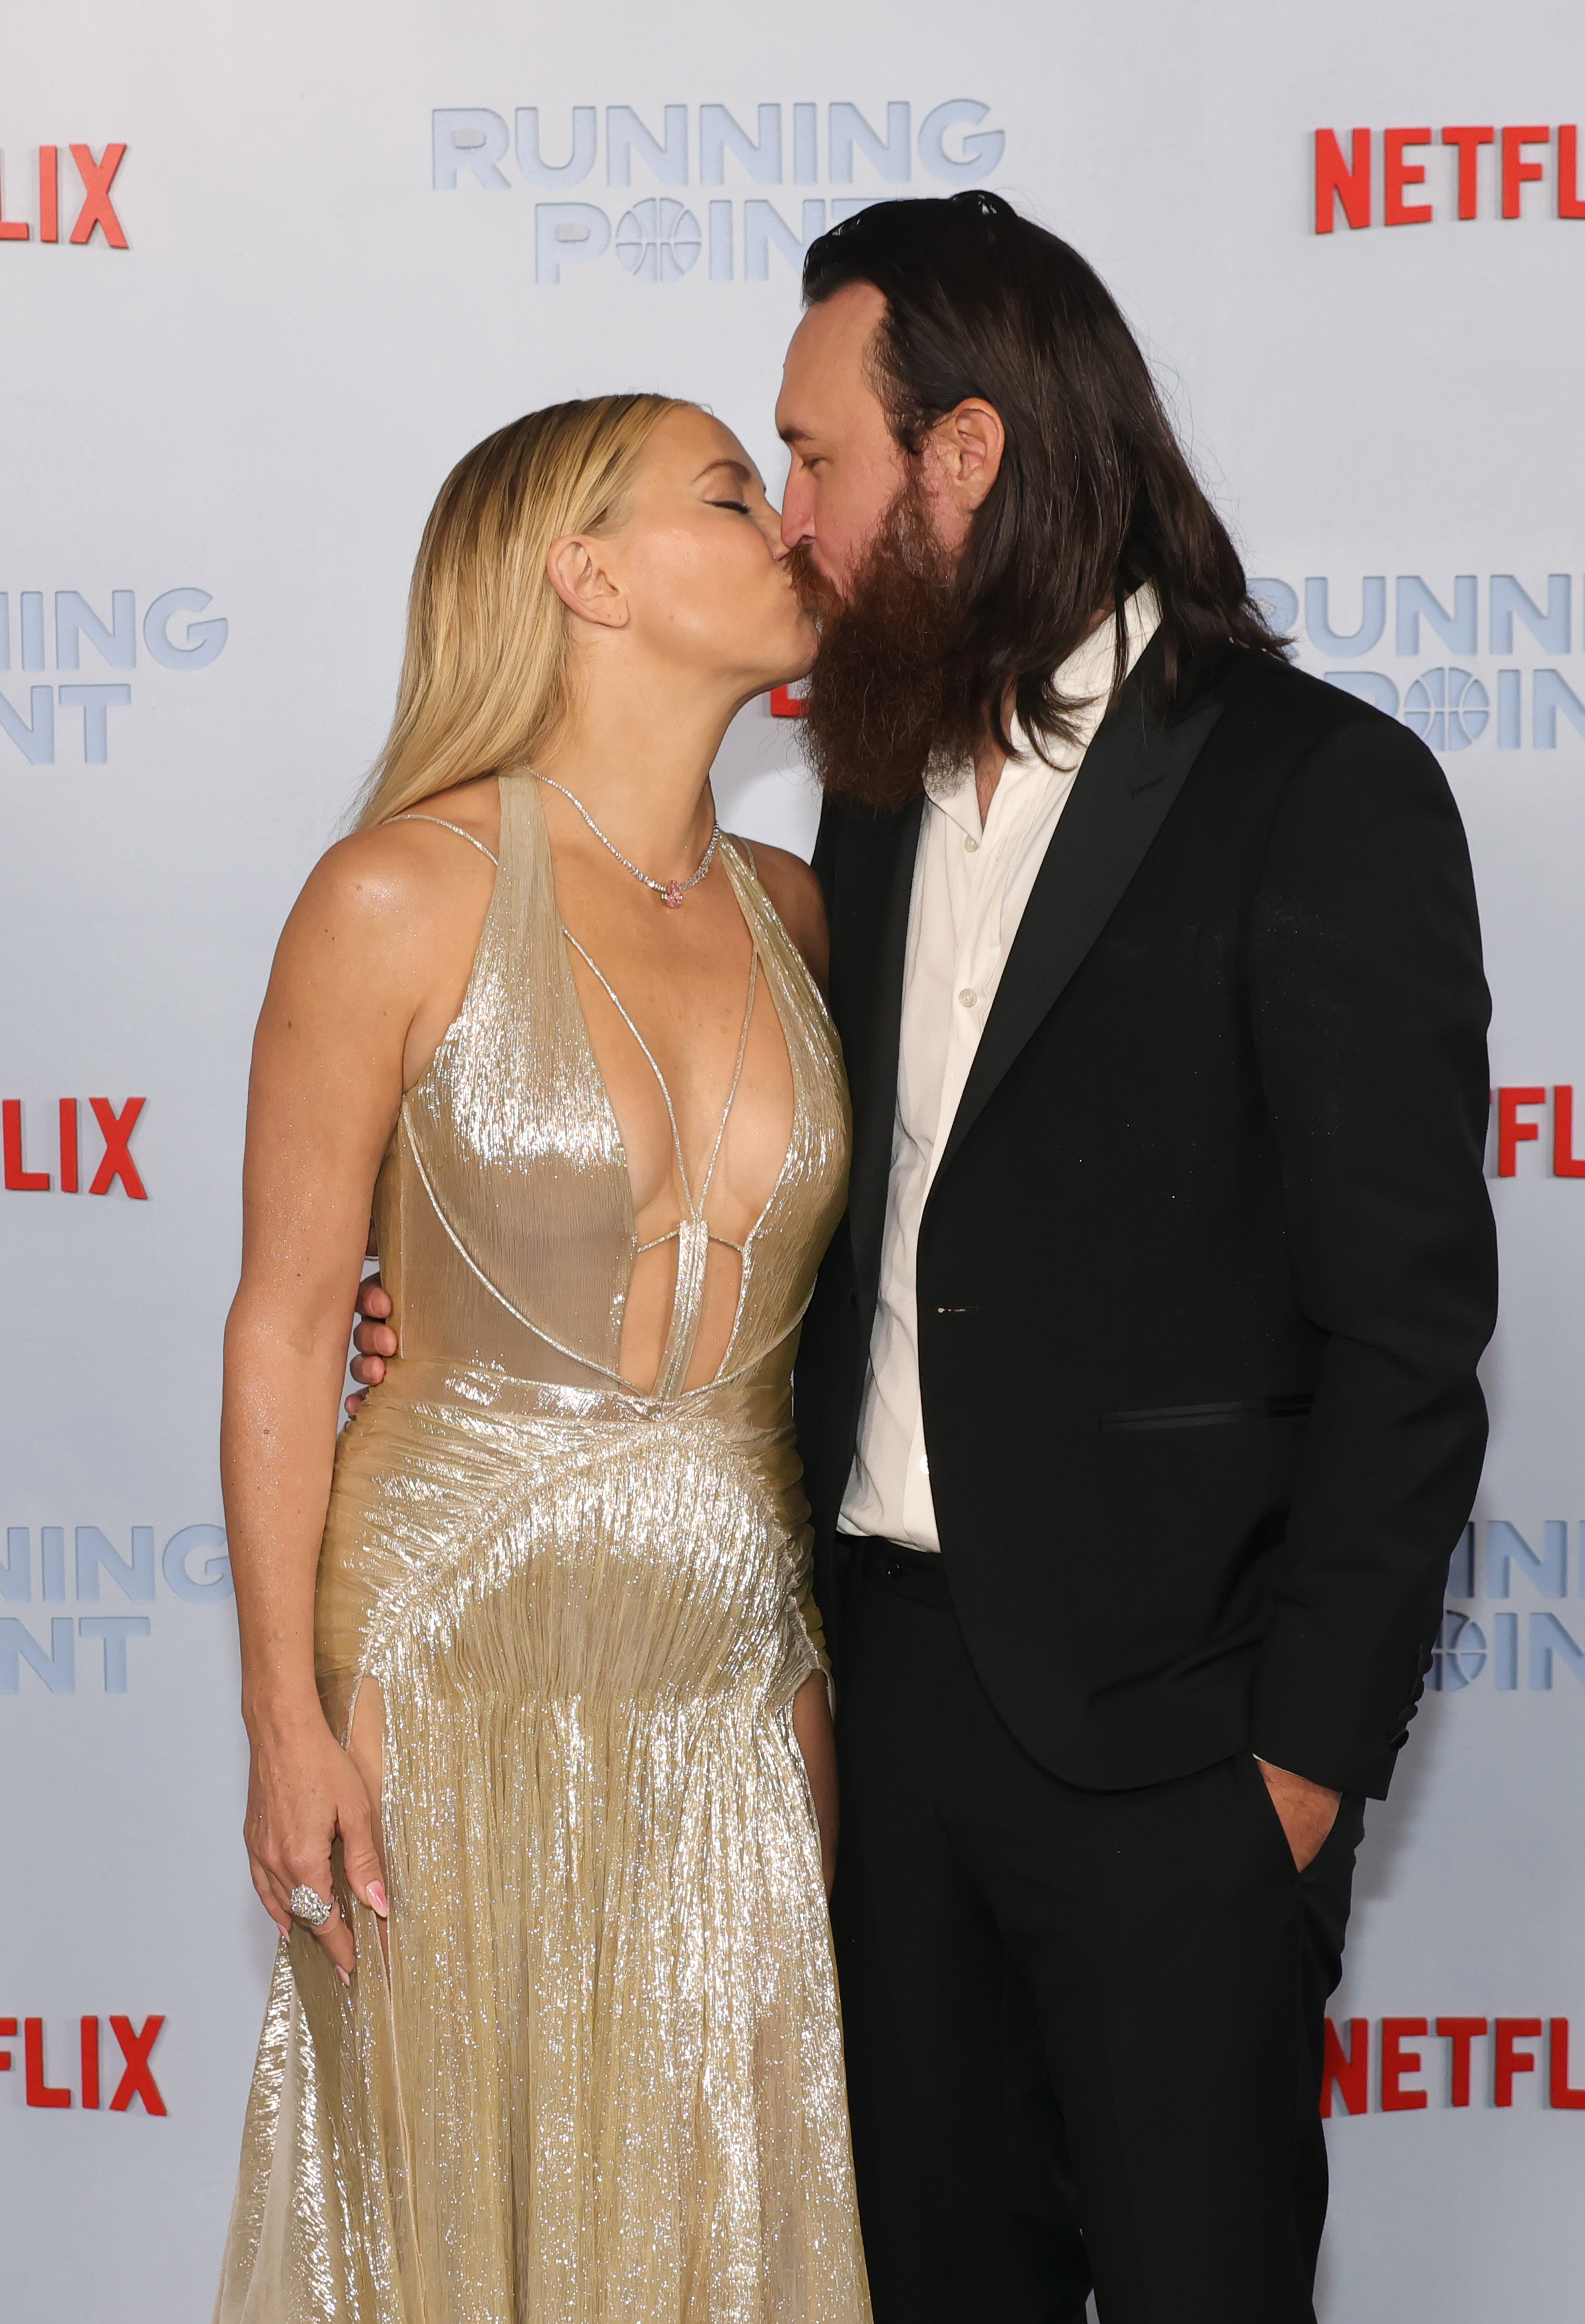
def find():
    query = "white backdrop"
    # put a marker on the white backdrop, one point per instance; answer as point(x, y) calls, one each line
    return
point(251, 404)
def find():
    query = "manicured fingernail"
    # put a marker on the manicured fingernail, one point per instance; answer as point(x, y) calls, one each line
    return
point(377, 1897)
point(342, 1974)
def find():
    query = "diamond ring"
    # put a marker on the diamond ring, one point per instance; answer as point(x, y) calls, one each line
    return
point(310, 1907)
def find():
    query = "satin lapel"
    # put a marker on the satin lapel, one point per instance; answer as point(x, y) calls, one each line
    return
point(870, 924)
point(1132, 774)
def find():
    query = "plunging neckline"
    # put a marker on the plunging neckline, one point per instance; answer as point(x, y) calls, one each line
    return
point(672, 1368)
point(696, 1209)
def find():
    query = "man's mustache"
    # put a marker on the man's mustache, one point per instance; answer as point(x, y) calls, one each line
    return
point(815, 592)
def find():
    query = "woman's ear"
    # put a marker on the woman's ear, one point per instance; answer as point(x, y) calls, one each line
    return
point(581, 580)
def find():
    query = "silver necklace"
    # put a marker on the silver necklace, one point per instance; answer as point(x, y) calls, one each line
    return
point(671, 891)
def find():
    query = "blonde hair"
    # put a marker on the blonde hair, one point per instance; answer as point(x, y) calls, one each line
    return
point(485, 674)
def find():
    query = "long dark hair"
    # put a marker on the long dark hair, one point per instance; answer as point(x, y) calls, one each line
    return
point(1095, 496)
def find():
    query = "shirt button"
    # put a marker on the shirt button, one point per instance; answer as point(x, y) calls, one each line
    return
point(972, 846)
point(968, 996)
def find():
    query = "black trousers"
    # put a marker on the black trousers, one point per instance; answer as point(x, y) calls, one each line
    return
point(1084, 2028)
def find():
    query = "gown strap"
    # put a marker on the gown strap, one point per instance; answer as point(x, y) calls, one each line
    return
point(693, 1234)
point(440, 823)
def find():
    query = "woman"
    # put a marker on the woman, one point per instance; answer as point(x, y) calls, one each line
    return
point(528, 1656)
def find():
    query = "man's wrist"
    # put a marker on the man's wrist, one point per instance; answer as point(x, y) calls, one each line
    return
point(1293, 1776)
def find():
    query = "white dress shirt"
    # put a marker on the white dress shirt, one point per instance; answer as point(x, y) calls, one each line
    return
point(972, 881)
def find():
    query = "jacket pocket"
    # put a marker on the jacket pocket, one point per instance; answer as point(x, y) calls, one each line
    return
point(1293, 1406)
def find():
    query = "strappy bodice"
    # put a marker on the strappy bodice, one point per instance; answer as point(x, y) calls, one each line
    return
point(504, 1211)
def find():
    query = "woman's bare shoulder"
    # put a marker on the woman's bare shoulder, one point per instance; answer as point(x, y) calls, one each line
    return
point(392, 892)
point(474, 808)
point(795, 891)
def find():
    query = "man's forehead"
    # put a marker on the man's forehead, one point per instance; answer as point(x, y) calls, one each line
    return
point(839, 327)
point(826, 359)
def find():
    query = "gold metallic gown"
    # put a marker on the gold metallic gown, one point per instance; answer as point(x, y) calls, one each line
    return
point(600, 2079)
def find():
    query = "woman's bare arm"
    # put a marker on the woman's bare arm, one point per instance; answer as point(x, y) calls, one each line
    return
point(369, 970)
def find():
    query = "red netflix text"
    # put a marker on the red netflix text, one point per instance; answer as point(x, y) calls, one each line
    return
point(69, 1153)
point(1516, 1107)
point(95, 214)
point(1478, 2061)
point(1408, 178)
point(80, 2068)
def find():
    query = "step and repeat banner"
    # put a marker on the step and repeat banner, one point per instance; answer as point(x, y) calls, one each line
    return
point(265, 272)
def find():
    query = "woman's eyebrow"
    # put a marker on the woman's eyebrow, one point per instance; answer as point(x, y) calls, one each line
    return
point(739, 469)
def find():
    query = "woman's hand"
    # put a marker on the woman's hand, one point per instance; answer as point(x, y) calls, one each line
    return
point(303, 1793)
point(816, 1740)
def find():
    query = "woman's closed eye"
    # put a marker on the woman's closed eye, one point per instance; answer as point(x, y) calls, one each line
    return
point(742, 506)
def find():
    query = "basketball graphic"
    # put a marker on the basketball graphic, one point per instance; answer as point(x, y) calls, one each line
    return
point(1447, 708)
point(659, 241)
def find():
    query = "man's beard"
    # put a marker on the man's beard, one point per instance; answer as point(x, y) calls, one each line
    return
point(886, 709)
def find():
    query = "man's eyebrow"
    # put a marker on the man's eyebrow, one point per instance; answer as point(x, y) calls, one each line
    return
point(793, 433)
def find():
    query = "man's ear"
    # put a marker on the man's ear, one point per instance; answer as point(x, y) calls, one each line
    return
point(579, 577)
point(963, 456)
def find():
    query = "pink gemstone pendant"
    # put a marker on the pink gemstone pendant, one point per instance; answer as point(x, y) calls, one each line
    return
point(672, 893)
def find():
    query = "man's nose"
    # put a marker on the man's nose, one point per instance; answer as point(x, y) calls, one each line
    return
point(798, 512)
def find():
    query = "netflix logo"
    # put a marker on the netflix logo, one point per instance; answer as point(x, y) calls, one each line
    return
point(82, 1160)
point(1408, 188)
point(124, 2071)
point(96, 212)
point(1390, 2073)
point(1514, 1109)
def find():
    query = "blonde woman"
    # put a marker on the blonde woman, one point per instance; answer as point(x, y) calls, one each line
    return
point(541, 1758)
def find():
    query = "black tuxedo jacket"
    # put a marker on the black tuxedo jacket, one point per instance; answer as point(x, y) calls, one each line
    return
point(1208, 1262)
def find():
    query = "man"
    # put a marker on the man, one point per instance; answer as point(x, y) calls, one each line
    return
point(1138, 1396)
point(1138, 1399)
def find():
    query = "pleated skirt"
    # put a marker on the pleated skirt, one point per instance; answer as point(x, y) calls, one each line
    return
point(597, 2076)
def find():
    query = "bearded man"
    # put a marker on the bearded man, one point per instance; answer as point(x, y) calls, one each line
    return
point(1138, 1399)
